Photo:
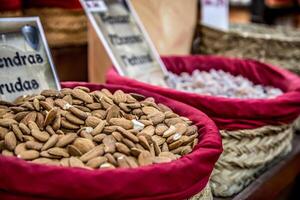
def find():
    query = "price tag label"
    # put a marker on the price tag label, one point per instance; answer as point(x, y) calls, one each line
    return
point(126, 41)
point(215, 13)
point(96, 6)
point(26, 66)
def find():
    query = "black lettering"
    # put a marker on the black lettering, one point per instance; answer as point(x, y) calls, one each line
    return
point(24, 60)
point(31, 59)
point(17, 60)
point(18, 85)
point(1, 86)
point(7, 89)
point(119, 19)
point(35, 84)
point(39, 58)
point(8, 62)
point(27, 85)
point(1, 64)
point(12, 87)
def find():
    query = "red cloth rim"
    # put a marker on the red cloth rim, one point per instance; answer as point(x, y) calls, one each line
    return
point(229, 113)
point(179, 179)
point(68, 4)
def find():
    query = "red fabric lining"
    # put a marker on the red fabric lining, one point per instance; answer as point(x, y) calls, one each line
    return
point(68, 4)
point(176, 180)
point(9, 5)
point(231, 114)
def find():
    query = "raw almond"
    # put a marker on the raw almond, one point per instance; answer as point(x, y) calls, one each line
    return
point(83, 145)
point(33, 145)
point(50, 116)
point(96, 162)
point(10, 141)
point(119, 97)
point(29, 155)
point(122, 148)
point(18, 133)
point(82, 95)
point(75, 162)
point(66, 139)
point(109, 144)
point(7, 122)
point(92, 121)
point(145, 158)
point(122, 122)
point(60, 152)
point(39, 135)
point(50, 143)
point(74, 151)
point(96, 151)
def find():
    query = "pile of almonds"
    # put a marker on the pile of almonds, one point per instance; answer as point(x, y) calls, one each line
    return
point(79, 128)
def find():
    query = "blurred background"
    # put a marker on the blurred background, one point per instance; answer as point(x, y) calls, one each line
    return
point(172, 24)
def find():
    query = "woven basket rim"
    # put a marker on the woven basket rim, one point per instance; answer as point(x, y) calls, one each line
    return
point(267, 37)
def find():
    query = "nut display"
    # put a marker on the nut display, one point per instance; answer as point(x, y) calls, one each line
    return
point(224, 84)
point(99, 129)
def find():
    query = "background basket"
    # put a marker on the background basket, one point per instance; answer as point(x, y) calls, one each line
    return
point(279, 46)
point(63, 27)
point(246, 155)
point(256, 133)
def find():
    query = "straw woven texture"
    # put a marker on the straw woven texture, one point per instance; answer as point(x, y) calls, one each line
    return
point(278, 46)
point(205, 194)
point(246, 155)
point(63, 27)
point(15, 13)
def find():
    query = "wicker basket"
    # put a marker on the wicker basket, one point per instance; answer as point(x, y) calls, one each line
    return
point(246, 155)
point(63, 27)
point(205, 194)
point(278, 46)
point(11, 13)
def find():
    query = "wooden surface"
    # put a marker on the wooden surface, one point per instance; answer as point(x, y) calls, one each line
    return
point(71, 62)
point(170, 23)
point(98, 60)
point(276, 180)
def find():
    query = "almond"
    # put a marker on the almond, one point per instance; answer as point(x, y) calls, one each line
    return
point(96, 151)
point(83, 145)
point(50, 143)
point(29, 155)
point(122, 122)
point(66, 139)
point(60, 152)
point(10, 141)
point(75, 162)
point(145, 158)
point(50, 116)
point(33, 145)
point(96, 162)
point(82, 95)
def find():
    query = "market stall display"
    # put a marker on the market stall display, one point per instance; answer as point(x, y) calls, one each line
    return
point(100, 107)
point(255, 132)
point(279, 46)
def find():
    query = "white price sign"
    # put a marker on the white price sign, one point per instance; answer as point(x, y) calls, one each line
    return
point(125, 40)
point(215, 13)
point(26, 65)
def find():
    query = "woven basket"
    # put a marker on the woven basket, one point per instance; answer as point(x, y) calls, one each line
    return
point(12, 13)
point(278, 46)
point(246, 155)
point(205, 194)
point(63, 27)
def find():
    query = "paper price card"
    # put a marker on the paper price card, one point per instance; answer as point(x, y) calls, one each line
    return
point(25, 64)
point(125, 40)
point(214, 13)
